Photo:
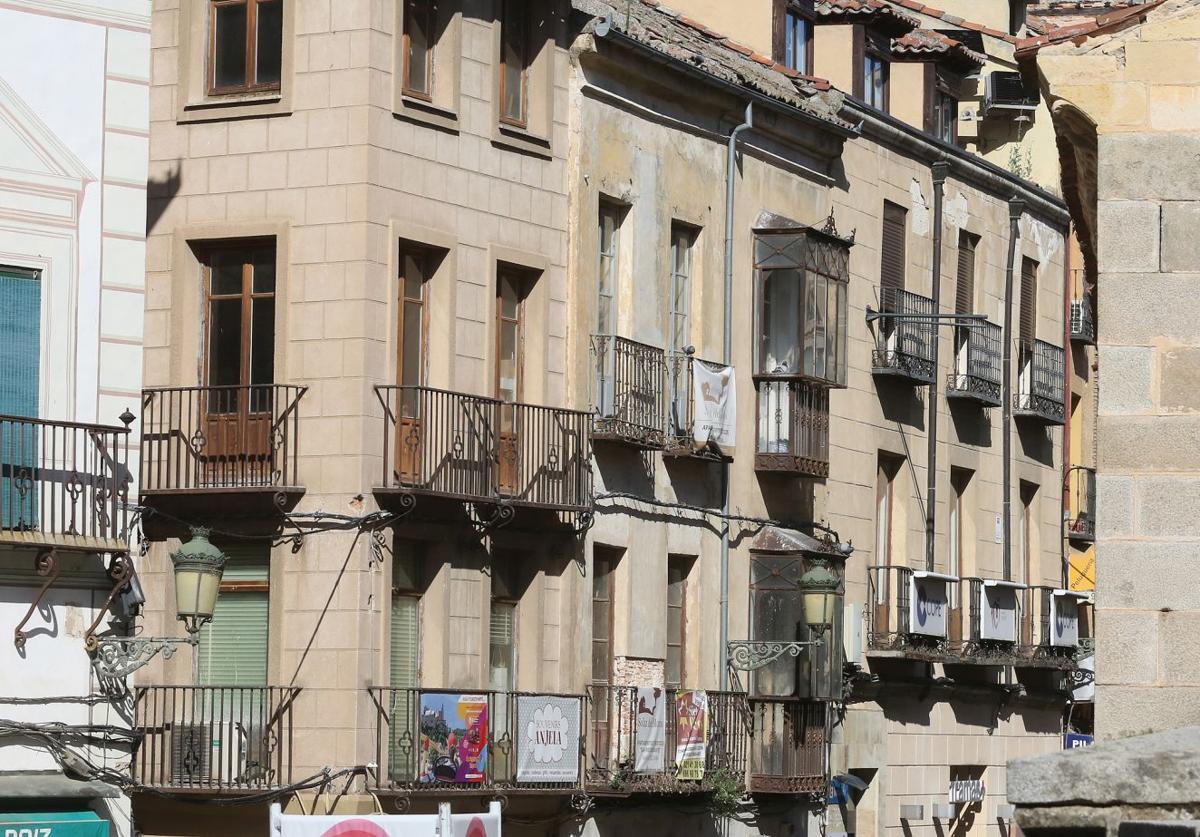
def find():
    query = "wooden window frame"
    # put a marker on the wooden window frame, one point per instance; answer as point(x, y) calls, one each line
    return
point(967, 243)
point(610, 559)
point(251, 49)
point(1027, 329)
point(247, 297)
point(868, 44)
point(783, 11)
point(424, 256)
point(521, 122)
point(617, 211)
point(687, 234)
point(521, 281)
point(894, 208)
point(428, 9)
point(684, 565)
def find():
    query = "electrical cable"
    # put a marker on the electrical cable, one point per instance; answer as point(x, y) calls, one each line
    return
point(736, 518)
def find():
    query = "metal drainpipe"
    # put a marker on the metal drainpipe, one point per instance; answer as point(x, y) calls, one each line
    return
point(939, 169)
point(1069, 366)
point(730, 172)
point(1016, 206)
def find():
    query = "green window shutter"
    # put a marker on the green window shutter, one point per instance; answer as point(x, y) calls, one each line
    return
point(406, 645)
point(405, 641)
point(247, 561)
point(21, 324)
point(503, 649)
point(233, 647)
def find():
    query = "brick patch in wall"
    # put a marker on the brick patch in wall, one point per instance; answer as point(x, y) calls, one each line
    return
point(638, 671)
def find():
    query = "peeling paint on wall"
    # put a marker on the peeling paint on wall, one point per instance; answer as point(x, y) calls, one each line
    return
point(1045, 240)
point(920, 209)
point(955, 211)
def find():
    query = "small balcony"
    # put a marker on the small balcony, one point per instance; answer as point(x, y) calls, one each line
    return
point(908, 613)
point(629, 387)
point(63, 485)
point(612, 765)
point(904, 347)
point(467, 448)
point(1041, 386)
point(787, 746)
point(985, 620)
point(681, 409)
point(214, 739)
point(793, 428)
point(977, 368)
point(1081, 488)
point(226, 449)
point(1049, 627)
point(1083, 322)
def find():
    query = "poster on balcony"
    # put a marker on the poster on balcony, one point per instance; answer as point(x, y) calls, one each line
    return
point(716, 407)
point(998, 612)
point(1064, 619)
point(927, 616)
point(548, 749)
point(454, 738)
point(650, 730)
point(691, 734)
point(444, 823)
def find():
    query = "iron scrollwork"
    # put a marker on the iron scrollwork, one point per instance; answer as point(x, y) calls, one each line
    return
point(44, 566)
point(748, 655)
point(114, 658)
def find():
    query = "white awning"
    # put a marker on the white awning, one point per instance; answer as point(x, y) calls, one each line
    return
point(1000, 582)
point(931, 574)
point(1070, 594)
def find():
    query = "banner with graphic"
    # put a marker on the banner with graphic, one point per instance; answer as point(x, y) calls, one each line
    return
point(445, 823)
point(928, 605)
point(998, 609)
point(715, 406)
point(1064, 619)
point(650, 730)
point(454, 738)
point(691, 734)
point(548, 743)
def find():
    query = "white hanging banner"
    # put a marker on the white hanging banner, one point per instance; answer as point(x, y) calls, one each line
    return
point(442, 824)
point(713, 395)
point(548, 746)
point(650, 730)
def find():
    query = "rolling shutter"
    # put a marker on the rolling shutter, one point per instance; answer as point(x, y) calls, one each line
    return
point(405, 641)
point(891, 270)
point(233, 647)
point(964, 297)
point(21, 323)
point(1028, 301)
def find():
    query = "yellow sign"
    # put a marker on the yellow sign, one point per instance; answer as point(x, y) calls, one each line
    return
point(1082, 576)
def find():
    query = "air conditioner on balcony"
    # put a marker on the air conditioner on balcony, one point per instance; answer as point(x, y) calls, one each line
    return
point(223, 751)
point(192, 754)
point(1006, 92)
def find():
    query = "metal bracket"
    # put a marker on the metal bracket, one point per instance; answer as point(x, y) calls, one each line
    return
point(120, 570)
point(114, 658)
point(45, 566)
point(748, 655)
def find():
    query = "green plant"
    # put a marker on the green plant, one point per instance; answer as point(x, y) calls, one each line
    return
point(617, 780)
point(726, 794)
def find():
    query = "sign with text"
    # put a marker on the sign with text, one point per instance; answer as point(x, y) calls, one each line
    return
point(716, 411)
point(454, 738)
point(998, 612)
point(1076, 741)
point(965, 791)
point(691, 734)
point(650, 730)
point(927, 605)
point(442, 824)
point(1064, 620)
point(548, 749)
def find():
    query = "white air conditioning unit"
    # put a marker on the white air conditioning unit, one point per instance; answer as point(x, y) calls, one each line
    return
point(214, 753)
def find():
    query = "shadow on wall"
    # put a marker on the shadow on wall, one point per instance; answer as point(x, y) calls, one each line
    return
point(972, 423)
point(901, 402)
point(1036, 442)
point(160, 193)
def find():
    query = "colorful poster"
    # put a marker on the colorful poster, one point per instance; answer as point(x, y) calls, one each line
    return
point(389, 825)
point(691, 734)
point(548, 746)
point(650, 730)
point(716, 408)
point(454, 738)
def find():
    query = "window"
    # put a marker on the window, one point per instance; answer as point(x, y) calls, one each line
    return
point(1025, 563)
point(245, 45)
point(876, 71)
point(801, 287)
point(20, 351)
point(510, 297)
point(678, 567)
point(233, 646)
point(607, 270)
point(777, 616)
point(405, 657)
point(945, 117)
point(502, 645)
point(514, 62)
point(1028, 325)
point(794, 42)
point(415, 269)
point(959, 563)
point(885, 472)
point(1016, 16)
point(964, 292)
point(420, 20)
point(240, 284)
point(682, 239)
point(892, 265)
point(604, 562)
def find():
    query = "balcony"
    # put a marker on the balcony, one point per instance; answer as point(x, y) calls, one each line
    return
point(904, 347)
point(1083, 322)
point(227, 449)
point(1049, 627)
point(1041, 392)
point(1081, 488)
point(612, 743)
point(977, 368)
point(908, 613)
point(985, 619)
point(467, 448)
point(787, 746)
point(793, 428)
point(629, 385)
point(214, 739)
point(681, 409)
point(63, 485)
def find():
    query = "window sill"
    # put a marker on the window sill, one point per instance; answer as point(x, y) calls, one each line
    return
point(235, 106)
point(520, 139)
point(426, 113)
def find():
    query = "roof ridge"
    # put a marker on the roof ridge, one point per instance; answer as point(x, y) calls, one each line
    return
point(955, 20)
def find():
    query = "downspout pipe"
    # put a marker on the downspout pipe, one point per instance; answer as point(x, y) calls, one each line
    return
point(1016, 207)
point(939, 169)
point(1067, 463)
point(727, 359)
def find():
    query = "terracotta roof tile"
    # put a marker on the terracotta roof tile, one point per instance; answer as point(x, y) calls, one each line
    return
point(926, 42)
point(1086, 29)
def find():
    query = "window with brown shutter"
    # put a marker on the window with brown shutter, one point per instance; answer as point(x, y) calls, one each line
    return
point(964, 297)
point(1028, 330)
point(891, 270)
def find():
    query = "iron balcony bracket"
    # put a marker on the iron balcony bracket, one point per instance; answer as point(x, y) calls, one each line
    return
point(748, 655)
point(114, 658)
point(44, 566)
point(120, 570)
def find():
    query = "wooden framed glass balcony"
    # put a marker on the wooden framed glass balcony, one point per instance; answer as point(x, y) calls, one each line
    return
point(793, 427)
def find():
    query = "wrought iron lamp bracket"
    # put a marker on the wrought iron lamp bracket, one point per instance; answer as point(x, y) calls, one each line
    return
point(748, 655)
point(114, 657)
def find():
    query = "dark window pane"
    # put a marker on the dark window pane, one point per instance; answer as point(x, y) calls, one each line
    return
point(229, 46)
point(417, 20)
point(410, 375)
point(270, 42)
point(513, 57)
point(262, 342)
point(414, 276)
point(226, 273)
point(225, 342)
point(264, 272)
point(781, 322)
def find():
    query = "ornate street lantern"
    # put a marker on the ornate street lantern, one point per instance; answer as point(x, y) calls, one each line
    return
point(198, 569)
point(822, 600)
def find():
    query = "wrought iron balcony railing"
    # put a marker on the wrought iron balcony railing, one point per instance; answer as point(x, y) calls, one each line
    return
point(681, 407)
point(1083, 321)
point(1050, 627)
point(904, 347)
point(787, 746)
point(214, 738)
point(985, 619)
point(63, 484)
point(472, 448)
point(793, 428)
point(1041, 390)
point(977, 366)
point(1081, 485)
point(908, 611)
point(629, 388)
point(226, 438)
